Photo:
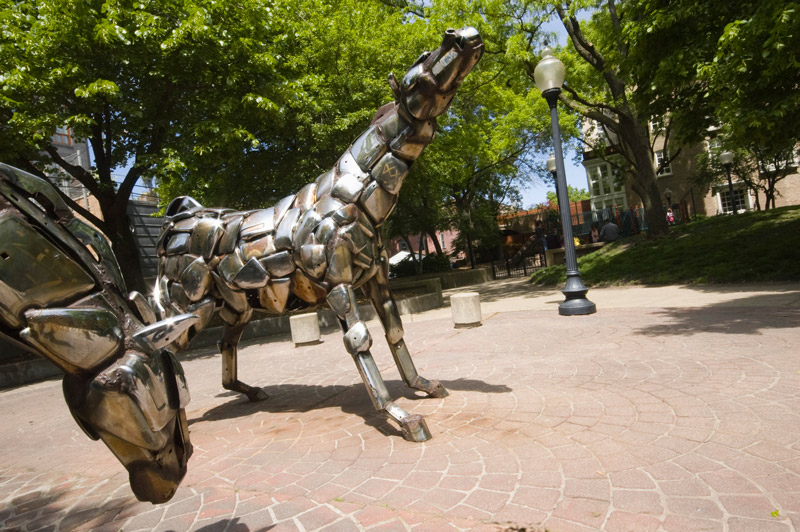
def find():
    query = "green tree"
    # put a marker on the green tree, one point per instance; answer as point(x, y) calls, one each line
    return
point(157, 86)
point(574, 193)
point(730, 67)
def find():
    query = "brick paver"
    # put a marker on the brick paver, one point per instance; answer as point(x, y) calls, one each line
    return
point(637, 418)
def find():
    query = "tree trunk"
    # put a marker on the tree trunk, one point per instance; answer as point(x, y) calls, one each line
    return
point(644, 183)
point(436, 244)
point(118, 229)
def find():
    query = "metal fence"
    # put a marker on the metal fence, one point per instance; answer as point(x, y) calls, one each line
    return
point(522, 267)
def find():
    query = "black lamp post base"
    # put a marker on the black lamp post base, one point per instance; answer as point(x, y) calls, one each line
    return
point(575, 303)
point(578, 306)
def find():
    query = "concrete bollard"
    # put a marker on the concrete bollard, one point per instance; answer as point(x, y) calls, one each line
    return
point(466, 308)
point(305, 329)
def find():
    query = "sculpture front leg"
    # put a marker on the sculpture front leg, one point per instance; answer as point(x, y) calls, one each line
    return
point(229, 348)
point(357, 341)
point(377, 289)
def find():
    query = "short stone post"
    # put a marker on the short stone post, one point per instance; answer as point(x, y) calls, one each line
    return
point(305, 329)
point(466, 308)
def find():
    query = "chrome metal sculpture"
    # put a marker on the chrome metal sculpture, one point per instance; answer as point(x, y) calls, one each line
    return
point(62, 295)
point(321, 243)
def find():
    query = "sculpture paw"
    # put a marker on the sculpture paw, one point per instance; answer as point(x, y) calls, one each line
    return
point(414, 428)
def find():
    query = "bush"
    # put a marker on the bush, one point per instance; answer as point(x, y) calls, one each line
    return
point(430, 264)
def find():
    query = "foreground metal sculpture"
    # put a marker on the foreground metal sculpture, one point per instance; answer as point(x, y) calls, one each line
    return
point(321, 243)
point(62, 295)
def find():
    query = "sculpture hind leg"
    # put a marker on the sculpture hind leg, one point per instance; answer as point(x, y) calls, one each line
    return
point(357, 341)
point(377, 289)
point(229, 348)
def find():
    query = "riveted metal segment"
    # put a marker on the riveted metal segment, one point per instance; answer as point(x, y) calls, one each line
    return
point(347, 188)
point(363, 262)
point(204, 310)
point(340, 265)
point(325, 230)
point(180, 381)
point(420, 102)
point(347, 164)
point(178, 295)
point(306, 197)
point(307, 289)
point(230, 266)
point(324, 184)
point(279, 265)
point(98, 246)
point(33, 272)
point(186, 260)
point(164, 332)
point(378, 203)
point(390, 173)
point(313, 260)
point(327, 205)
point(281, 207)
point(178, 244)
point(305, 227)
point(229, 238)
point(366, 225)
point(161, 243)
point(258, 223)
point(185, 226)
point(274, 296)
point(368, 148)
point(345, 215)
point(205, 236)
point(353, 233)
point(171, 267)
point(441, 102)
point(342, 300)
point(234, 299)
point(252, 275)
point(82, 338)
point(258, 248)
point(129, 400)
point(391, 322)
point(357, 339)
point(411, 77)
point(392, 125)
point(146, 313)
point(196, 279)
point(284, 232)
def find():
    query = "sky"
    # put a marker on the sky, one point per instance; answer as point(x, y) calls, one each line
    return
point(576, 174)
point(536, 194)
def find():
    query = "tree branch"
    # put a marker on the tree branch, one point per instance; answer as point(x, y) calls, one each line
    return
point(78, 172)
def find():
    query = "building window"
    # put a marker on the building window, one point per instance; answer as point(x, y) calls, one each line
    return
point(661, 157)
point(62, 136)
point(605, 186)
point(725, 199)
point(656, 126)
point(402, 246)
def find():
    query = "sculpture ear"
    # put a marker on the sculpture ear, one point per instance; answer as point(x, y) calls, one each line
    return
point(181, 204)
point(395, 86)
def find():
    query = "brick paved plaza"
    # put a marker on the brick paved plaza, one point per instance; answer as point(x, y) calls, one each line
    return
point(672, 408)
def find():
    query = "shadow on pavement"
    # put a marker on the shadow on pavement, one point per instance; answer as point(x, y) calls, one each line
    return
point(740, 317)
point(352, 399)
point(231, 525)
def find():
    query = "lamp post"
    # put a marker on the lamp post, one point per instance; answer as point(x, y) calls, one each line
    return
point(549, 76)
point(551, 167)
point(726, 158)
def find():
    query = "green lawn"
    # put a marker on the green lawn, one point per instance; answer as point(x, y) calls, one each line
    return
point(755, 246)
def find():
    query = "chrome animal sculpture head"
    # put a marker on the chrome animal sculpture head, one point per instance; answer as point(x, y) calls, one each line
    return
point(62, 295)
